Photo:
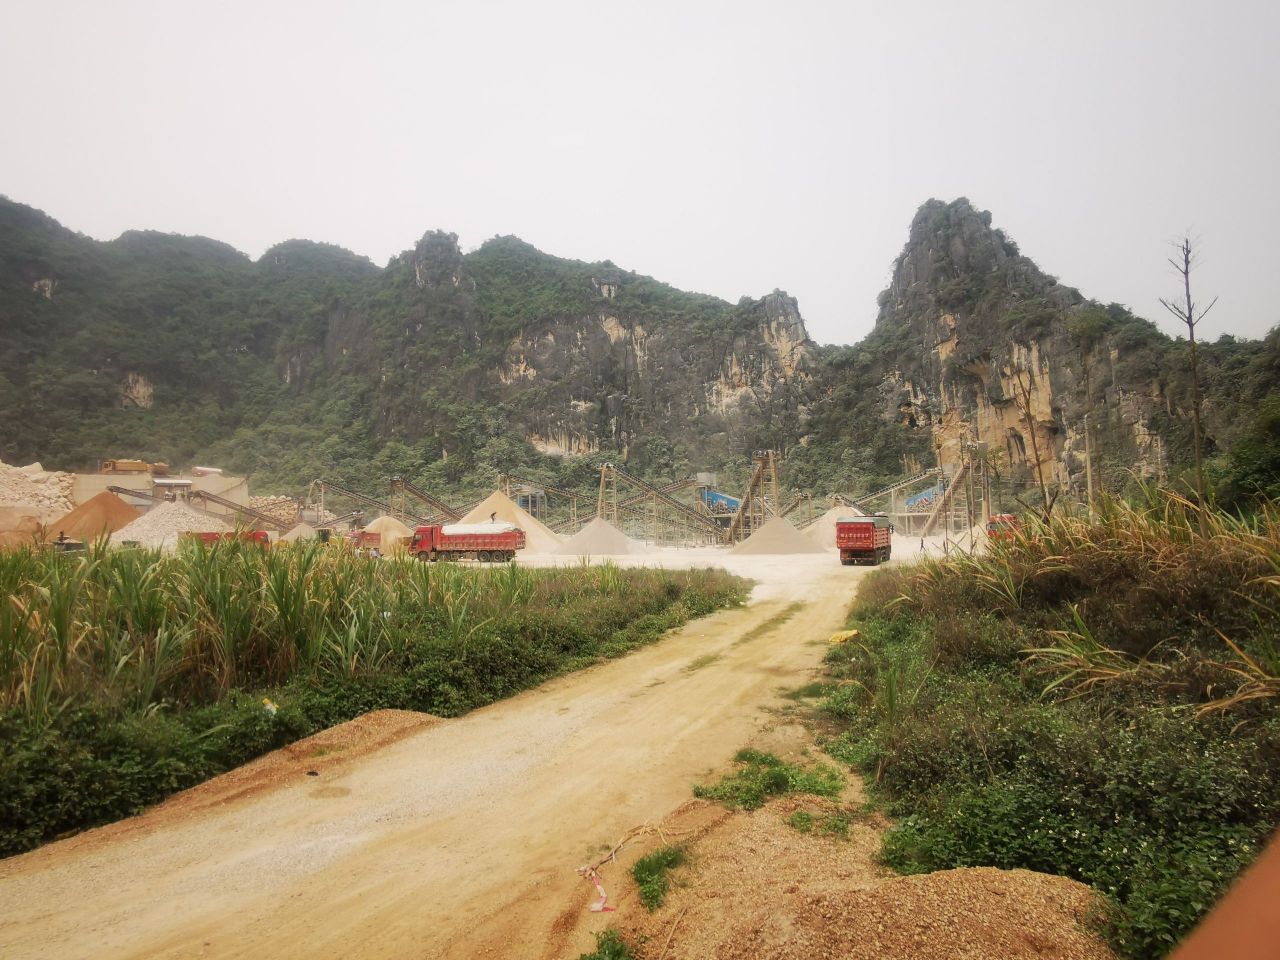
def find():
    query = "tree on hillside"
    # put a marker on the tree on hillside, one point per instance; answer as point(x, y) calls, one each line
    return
point(1086, 330)
point(1191, 314)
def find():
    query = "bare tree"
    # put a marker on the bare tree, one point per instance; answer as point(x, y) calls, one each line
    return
point(1191, 314)
point(1023, 401)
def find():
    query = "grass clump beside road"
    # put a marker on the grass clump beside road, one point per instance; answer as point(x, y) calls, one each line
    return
point(651, 875)
point(1097, 699)
point(126, 675)
point(761, 776)
point(609, 946)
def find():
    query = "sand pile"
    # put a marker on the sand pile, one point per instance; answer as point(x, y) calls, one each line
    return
point(392, 533)
point(538, 536)
point(104, 514)
point(823, 530)
point(775, 537)
point(303, 531)
point(36, 492)
point(19, 526)
point(600, 538)
point(283, 509)
point(161, 526)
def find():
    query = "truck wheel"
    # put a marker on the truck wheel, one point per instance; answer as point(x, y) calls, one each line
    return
point(423, 556)
point(484, 556)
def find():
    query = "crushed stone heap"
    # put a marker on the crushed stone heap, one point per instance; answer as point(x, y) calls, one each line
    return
point(777, 536)
point(283, 509)
point(160, 527)
point(40, 493)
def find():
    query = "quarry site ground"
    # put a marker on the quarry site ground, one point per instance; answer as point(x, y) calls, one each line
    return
point(402, 835)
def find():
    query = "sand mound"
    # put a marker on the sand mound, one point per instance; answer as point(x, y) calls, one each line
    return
point(161, 526)
point(538, 537)
point(392, 534)
point(776, 536)
point(823, 530)
point(104, 514)
point(600, 538)
point(303, 531)
point(969, 912)
point(753, 894)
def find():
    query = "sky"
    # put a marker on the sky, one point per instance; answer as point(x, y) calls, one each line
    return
point(729, 148)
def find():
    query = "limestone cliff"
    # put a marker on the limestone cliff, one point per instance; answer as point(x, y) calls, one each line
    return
point(974, 343)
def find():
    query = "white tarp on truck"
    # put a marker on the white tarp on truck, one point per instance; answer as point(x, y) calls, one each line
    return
point(476, 529)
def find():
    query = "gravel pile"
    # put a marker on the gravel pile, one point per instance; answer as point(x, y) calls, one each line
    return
point(161, 527)
point(284, 509)
point(44, 494)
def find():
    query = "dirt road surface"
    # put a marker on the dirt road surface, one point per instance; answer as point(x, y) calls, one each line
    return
point(459, 838)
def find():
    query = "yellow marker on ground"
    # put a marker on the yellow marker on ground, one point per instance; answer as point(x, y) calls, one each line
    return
point(844, 636)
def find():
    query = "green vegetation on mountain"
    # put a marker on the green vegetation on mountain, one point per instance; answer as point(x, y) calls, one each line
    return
point(449, 368)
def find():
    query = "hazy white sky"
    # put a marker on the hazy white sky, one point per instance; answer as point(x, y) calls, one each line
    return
point(723, 147)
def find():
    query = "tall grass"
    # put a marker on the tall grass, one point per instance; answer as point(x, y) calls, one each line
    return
point(141, 628)
point(1097, 698)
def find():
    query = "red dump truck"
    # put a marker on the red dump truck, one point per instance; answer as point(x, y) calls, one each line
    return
point(467, 541)
point(864, 540)
point(1003, 526)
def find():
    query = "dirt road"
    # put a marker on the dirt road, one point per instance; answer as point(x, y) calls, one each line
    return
point(457, 840)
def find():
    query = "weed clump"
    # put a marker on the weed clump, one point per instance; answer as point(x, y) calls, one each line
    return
point(762, 775)
point(609, 946)
point(651, 874)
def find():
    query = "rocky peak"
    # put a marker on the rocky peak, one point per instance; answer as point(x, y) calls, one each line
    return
point(437, 260)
